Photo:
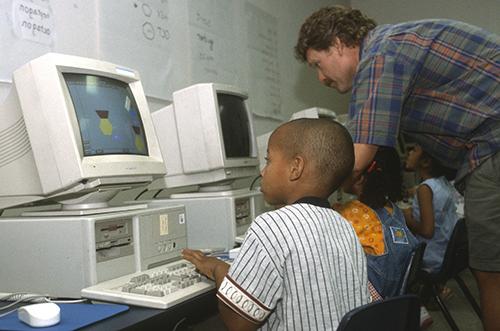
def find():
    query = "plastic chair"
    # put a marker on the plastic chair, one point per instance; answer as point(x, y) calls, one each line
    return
point(411, 277)
point(400, 313)
point(456, 259)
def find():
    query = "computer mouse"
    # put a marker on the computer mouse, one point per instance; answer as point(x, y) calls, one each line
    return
point(40, 314)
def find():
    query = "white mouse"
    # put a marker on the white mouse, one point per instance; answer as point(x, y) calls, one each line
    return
point(40, 315)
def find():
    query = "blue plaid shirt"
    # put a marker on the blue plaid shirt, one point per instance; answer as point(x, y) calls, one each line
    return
point(437, 81)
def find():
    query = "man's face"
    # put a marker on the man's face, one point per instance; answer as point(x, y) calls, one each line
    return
point(335, 66)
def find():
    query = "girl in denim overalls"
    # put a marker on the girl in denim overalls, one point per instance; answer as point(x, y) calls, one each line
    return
point(379, 223)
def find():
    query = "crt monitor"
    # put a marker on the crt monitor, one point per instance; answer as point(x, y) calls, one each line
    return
point(72, 127)
point(206, 136)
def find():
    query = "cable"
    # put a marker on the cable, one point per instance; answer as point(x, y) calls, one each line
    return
point(156, 194)
point(69, 301)
point(139, 195)
point(24, 296)
point(7, 313)
point(21, 299)
point(254, 180)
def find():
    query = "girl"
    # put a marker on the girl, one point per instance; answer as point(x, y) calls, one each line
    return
point(432, 216)
point(379, 223)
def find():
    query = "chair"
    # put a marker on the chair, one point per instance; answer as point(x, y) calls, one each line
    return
point(411, 276)
point(400, 313)
point(456, 259)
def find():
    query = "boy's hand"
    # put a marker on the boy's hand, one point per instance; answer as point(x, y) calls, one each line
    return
point(207, 265)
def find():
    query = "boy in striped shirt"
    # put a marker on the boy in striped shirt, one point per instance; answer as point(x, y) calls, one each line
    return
point(301, 267)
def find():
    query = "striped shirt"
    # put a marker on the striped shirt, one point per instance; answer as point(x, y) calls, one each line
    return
point(437, 81)
point(301, 267)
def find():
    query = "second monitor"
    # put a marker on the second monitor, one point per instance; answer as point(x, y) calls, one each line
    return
point(207, 141)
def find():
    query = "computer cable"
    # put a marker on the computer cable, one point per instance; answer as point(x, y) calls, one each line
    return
point(254, 180)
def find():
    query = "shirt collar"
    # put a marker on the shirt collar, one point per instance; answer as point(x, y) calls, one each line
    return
point(320, 202)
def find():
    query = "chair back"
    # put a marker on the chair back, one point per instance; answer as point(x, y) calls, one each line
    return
point(411, 277)
point(400, 313)
point(456, 257)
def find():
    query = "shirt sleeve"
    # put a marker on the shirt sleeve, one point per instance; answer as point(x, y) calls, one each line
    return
point(377, 99)
point(254, 282)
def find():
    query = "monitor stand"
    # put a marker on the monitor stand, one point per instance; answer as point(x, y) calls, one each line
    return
point(84, 212)
point(91, 203)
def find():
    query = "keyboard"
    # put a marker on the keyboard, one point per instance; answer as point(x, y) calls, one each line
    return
point(161, 287)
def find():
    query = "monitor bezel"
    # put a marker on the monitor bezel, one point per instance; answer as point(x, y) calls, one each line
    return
point(57, 145)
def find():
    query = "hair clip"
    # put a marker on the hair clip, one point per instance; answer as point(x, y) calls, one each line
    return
point(371, 167)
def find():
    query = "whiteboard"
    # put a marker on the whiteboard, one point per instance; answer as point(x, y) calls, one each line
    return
point(173, 44)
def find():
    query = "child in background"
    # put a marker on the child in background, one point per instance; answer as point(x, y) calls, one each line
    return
point(433, 214)
point(300, 267)
point(379, 223)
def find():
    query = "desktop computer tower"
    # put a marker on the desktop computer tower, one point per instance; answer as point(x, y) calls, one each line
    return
point(60, 255)
point(216, 220)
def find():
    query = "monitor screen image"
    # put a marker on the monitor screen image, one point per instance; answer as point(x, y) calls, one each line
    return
point(107, 115)
point(235, 125)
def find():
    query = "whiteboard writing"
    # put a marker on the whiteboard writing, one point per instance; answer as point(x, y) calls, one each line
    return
point(138, 34)
point(263, 65)
point(32, 22)
point(155, 20)
point(203, 61)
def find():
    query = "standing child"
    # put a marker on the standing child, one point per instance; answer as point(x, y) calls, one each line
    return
point(379, 223)
point(300, 267)
point(433, 214)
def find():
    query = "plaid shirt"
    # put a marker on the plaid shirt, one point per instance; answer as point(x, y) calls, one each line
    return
point(437, 81)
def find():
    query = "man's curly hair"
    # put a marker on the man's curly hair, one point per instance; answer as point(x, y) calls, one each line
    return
point(323, 26)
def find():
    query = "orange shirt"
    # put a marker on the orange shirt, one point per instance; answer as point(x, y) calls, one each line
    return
point(366, 224)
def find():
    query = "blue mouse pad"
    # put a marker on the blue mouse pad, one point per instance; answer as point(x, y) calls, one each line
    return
point(73, 316)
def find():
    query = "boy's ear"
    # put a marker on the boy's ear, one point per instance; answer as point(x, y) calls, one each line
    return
point(296, 168)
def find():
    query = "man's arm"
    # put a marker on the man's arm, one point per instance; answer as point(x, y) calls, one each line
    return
point(363, 156)
point(216, 270)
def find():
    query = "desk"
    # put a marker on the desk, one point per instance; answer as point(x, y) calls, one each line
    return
point(181, 316)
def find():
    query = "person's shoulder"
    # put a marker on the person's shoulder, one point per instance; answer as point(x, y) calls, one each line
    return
point(273, 217)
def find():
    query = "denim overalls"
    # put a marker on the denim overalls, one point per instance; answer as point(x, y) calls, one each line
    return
point(386, 271)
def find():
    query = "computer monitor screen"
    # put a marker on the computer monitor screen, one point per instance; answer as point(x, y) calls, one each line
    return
point(107, 114)
point(235, 125)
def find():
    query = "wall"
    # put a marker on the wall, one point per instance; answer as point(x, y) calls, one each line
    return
point(483, 13)
point(174, 44)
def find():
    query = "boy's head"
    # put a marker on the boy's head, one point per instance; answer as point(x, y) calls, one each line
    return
point(306, 157)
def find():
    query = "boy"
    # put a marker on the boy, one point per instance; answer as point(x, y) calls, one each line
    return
point(301, 267)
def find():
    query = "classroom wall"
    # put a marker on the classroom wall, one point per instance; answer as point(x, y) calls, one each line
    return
point(175, 43)
point(483, 13)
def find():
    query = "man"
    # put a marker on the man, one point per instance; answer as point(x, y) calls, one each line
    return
point(436, 81)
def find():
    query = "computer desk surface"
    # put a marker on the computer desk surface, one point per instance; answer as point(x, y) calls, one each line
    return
point(179, 317)
point(176, 318)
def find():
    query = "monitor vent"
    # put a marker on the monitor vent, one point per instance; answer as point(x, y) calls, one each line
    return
point(14, 143)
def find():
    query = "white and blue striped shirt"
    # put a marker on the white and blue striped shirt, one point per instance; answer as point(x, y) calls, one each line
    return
point(302, 266)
